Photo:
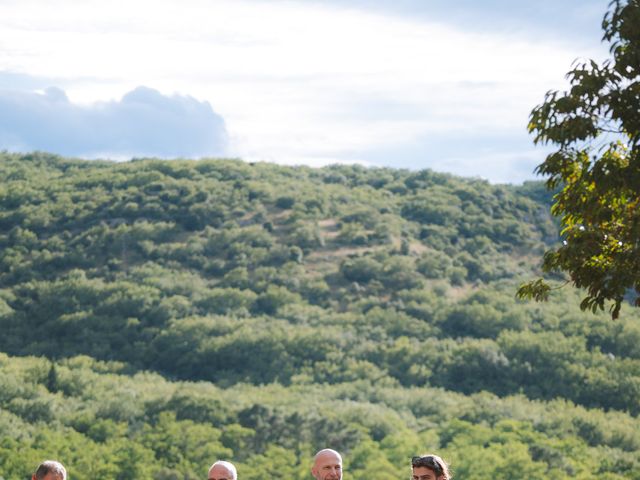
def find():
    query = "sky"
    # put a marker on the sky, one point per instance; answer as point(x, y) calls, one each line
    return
point(441, 84)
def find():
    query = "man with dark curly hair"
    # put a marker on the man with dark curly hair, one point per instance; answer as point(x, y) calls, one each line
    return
point(429, 467)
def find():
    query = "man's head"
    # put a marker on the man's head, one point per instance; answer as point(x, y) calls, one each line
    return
point(327, 465)
point(222, 470)
point(50, 470)
point(429, 467)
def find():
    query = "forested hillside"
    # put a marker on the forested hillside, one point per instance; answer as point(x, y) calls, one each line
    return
point(157, 315)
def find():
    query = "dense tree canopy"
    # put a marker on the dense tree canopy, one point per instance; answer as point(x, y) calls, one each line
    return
point(596, 167)
point(156, 315)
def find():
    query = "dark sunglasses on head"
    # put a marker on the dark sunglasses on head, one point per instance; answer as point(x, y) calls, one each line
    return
point(428, 461)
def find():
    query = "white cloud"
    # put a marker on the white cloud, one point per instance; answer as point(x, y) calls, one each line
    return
point(291, 79)
point(143, 123)
point(514, 166)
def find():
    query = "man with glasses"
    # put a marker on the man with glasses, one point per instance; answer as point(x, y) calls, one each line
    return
point(327, 465)
point(50, 470)
point(429, 467)
point(222, 470)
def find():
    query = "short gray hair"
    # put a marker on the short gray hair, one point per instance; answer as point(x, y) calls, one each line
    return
point(51, 466)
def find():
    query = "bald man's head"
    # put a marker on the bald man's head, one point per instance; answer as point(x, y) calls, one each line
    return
point(327, 465)
point(222, 470)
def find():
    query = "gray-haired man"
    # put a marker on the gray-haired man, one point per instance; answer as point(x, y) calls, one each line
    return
point(327, 465)
point(222, 470)
point(50, 470)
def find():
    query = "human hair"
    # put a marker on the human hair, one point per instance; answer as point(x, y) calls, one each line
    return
point(326, 451)
point(228, 465)
point(327, 463)
point(50, 466)
point(434, 463)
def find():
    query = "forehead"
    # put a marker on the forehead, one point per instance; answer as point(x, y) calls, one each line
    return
point(328, 458)
point(423, 473)
point(52, 476)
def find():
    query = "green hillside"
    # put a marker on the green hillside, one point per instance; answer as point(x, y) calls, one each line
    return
point(157, 315)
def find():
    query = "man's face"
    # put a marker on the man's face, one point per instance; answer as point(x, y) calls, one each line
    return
point(328, 466)
point(51, 476)
point(220, 472)
point(424, 473)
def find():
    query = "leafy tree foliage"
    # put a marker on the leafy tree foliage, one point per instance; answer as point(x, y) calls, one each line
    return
point(596, 128)
point(355, 317)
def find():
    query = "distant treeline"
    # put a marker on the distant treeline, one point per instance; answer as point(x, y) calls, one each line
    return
point(389, 288)
point(106, 424)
